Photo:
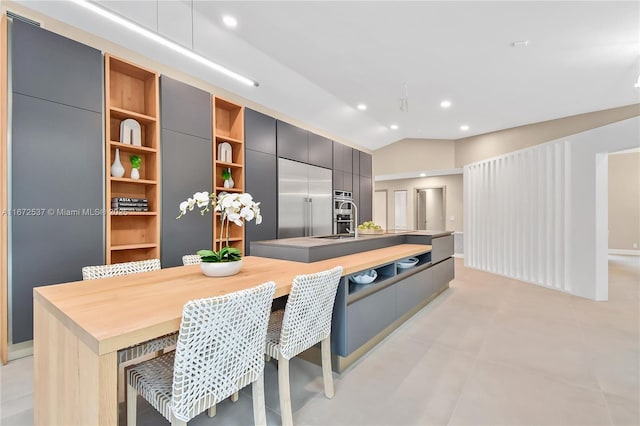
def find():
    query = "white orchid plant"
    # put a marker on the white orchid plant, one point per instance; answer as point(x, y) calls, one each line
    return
point(233, 207)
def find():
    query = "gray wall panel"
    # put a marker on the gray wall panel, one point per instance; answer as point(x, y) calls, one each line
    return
point(185, 108)
point(57, 164)
point(55, 68)
point(261, 181)
point(186, 169)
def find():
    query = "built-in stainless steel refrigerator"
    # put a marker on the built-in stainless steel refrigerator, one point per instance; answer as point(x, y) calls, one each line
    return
point(304, 199)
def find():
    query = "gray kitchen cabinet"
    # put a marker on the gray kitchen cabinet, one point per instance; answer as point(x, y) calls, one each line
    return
point(347, 159)
point(320, 151)
point(56, 183)
point(413, 290)
point(368, 317)
point(186, 146)
point(338, 180)
point(355, 190)
point(442, 248)
point(192, 232)
point(184, 108)
point(259, 132)
point(261, 181)
point(292, 142)
point(443, 272)
point(342, 157)
point(366, 199)
point(347, 181)
point(355, 163)
point(48, 66)
point(337, 156)
point(365, 164)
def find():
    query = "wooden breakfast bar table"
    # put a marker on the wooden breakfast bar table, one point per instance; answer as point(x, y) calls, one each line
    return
point(80, 326)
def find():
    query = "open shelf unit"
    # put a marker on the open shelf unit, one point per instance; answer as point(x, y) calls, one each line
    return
point(228, 127)
point(131, 92)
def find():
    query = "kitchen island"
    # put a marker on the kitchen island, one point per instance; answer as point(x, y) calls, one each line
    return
point(79, 327)
point(312, 249)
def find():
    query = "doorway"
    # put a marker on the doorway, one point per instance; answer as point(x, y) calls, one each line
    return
point(380, 208)
point(430, 208)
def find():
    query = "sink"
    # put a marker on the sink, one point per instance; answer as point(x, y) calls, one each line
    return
point(336, 237)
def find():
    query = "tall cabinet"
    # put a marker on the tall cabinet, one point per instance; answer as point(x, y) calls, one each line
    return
point(131, 93)
point(228, 135)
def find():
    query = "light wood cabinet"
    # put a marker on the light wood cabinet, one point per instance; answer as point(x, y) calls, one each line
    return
point(131, 92)
point(228, 127)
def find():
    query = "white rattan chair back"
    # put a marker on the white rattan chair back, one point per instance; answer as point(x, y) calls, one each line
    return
point(220, 348)
point(119, 269)
point(307, 315)
point(191, 259)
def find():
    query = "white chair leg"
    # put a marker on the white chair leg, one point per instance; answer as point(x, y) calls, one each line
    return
point(259, 409)
point(211, 411)
point(176, 422)
point(325, 348)
point(284, 390)
point(132, 399)
point(234, 397)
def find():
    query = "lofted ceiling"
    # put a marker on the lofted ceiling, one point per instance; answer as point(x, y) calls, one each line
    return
point(315, 61)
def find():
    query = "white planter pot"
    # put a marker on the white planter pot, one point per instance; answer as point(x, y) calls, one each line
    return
point(221, 269)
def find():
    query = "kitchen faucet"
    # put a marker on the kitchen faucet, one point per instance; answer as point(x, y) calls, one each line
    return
point(355, 217)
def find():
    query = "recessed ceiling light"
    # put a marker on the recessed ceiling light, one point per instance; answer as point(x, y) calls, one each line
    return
point(394, 127)
point(445, 104)
point(230, 21)
point(464, 127)
point(362, 107)
point(423, 174)
point(520, 43)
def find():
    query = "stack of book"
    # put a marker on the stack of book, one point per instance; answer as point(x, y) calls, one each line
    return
point(124, 204)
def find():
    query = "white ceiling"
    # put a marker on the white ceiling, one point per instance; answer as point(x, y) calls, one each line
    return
point(315, 61)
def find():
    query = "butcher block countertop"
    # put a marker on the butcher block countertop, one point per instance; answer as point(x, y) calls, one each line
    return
point(114, 313)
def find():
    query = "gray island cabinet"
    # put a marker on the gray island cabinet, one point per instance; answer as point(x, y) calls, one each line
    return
point(364, 314)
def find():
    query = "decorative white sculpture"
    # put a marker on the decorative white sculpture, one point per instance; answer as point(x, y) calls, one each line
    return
point(130, 132)
point(225, 152)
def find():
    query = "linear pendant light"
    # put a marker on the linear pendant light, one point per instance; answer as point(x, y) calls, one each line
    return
point(163, 41)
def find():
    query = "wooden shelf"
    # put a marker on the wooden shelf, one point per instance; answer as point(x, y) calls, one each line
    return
point(232, 165)
point(132, 148)
point(134, 181)
point(228, 139)
point(116, 213)
point(223, 189)
point(132, 92)
point(124, 114)
point(133, 246)
point(228, 126)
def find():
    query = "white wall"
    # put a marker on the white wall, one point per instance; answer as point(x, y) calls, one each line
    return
point(540, 214)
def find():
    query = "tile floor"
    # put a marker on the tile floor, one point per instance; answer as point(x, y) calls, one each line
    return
point(489, 351)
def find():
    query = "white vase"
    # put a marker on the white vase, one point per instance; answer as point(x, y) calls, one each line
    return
point(231, 182)
point(117, 170)
point(135, 173)
point(221, 269)
point(226, 183)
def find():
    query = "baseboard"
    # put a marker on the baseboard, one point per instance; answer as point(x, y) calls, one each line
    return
point(20, 350)
point(459, 255)
point(625, 252)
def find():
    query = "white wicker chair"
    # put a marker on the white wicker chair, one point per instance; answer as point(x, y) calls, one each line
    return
point(191, 259)
point(127, 268)
point(305, 321)
point(220, 350)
